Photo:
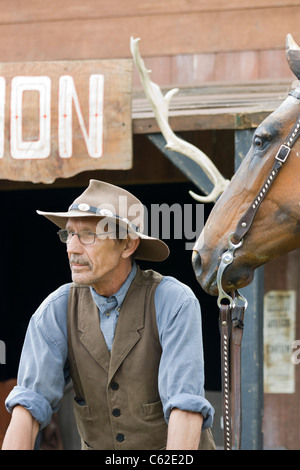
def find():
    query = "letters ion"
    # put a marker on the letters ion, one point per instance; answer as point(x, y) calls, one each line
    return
point(67, 96)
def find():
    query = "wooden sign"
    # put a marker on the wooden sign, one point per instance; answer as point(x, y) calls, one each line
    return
point(60, 118)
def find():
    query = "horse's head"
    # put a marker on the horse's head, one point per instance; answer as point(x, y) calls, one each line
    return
point(276, 227)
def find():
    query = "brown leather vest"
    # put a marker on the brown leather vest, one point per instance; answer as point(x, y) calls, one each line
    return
point(117, 404)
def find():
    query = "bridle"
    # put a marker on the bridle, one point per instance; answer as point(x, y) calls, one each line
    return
point(232, 307)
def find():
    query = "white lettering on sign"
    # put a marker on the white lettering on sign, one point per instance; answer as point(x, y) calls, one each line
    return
point(36, 148)
point(41, 147)
point(67, 94)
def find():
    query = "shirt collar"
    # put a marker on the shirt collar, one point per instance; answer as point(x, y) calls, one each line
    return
point(104, 302)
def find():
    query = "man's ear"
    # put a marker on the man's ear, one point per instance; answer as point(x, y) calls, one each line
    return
point(130, 246)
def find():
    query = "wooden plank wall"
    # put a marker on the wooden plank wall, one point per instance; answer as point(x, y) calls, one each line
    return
point(184, 41)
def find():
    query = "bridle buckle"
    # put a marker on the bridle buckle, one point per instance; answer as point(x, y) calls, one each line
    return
point(226, 259)
point(282, 153)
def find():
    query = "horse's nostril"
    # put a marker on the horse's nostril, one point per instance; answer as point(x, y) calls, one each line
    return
point(196, 262)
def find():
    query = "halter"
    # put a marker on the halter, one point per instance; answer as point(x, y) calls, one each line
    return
point(232, 307)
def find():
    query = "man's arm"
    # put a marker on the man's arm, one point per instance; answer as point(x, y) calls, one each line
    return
point(181, 369)
point(22, 430)
point(184, 430)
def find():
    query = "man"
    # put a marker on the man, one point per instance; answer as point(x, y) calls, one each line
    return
point(130, 340)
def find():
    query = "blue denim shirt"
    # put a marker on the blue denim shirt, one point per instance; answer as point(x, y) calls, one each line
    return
point(43, 370)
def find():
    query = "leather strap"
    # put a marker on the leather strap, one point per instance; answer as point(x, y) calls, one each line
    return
point(237, 329)
point(231, 328)
point(225, 327)
point(246, 220)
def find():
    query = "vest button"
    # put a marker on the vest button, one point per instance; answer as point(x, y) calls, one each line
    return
point(114, 386)
point(120, 437)
point(116, 412)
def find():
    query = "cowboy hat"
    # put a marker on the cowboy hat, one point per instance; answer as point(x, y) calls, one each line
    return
point(105, 200)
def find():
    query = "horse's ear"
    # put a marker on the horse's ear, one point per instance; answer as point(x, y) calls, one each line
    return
point(293, 55)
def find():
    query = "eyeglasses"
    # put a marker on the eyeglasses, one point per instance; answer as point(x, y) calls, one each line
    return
point(85, 236)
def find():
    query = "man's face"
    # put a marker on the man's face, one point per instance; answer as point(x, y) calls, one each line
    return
point(101, 264)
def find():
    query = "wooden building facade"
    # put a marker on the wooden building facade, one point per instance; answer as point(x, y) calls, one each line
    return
point(228, 59)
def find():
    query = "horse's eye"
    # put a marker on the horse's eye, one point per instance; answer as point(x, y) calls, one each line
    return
point(258, 142)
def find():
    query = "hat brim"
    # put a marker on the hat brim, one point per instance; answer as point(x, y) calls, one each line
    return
point(149, 249)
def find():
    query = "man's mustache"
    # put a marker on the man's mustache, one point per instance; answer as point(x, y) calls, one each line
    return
point(78, 260)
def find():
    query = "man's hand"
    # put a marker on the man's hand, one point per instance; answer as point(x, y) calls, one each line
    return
point(22, 431)
point(184, 430)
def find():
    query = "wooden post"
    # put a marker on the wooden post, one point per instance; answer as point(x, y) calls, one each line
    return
point(252, 345)
point(187, 166)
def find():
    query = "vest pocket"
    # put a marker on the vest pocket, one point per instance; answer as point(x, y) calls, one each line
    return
point(152, 408)
point(83, 419)
point(81, 408)
point(80, 402)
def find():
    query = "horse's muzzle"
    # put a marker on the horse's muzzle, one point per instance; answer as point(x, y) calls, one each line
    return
point(206, 281)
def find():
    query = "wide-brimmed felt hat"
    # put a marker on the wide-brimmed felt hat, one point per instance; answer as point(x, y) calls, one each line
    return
point(108, 201)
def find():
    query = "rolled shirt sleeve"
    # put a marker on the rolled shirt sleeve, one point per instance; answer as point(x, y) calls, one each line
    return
point(181, 372)
point(38, 406)
point(42, 373)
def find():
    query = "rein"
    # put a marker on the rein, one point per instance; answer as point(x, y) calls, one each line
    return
point(232, 307)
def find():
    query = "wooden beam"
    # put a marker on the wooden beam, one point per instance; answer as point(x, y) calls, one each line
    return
point(218, 106)
point(74, 36)
point(29, 11)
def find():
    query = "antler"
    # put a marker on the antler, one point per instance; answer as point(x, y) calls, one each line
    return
point(293, 55)
point(160, 106)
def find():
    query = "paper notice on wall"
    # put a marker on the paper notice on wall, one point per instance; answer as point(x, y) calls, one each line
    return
point(279, 334)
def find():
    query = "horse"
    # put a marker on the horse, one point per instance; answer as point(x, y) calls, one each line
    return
point(275, 228)
point(255, 219)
